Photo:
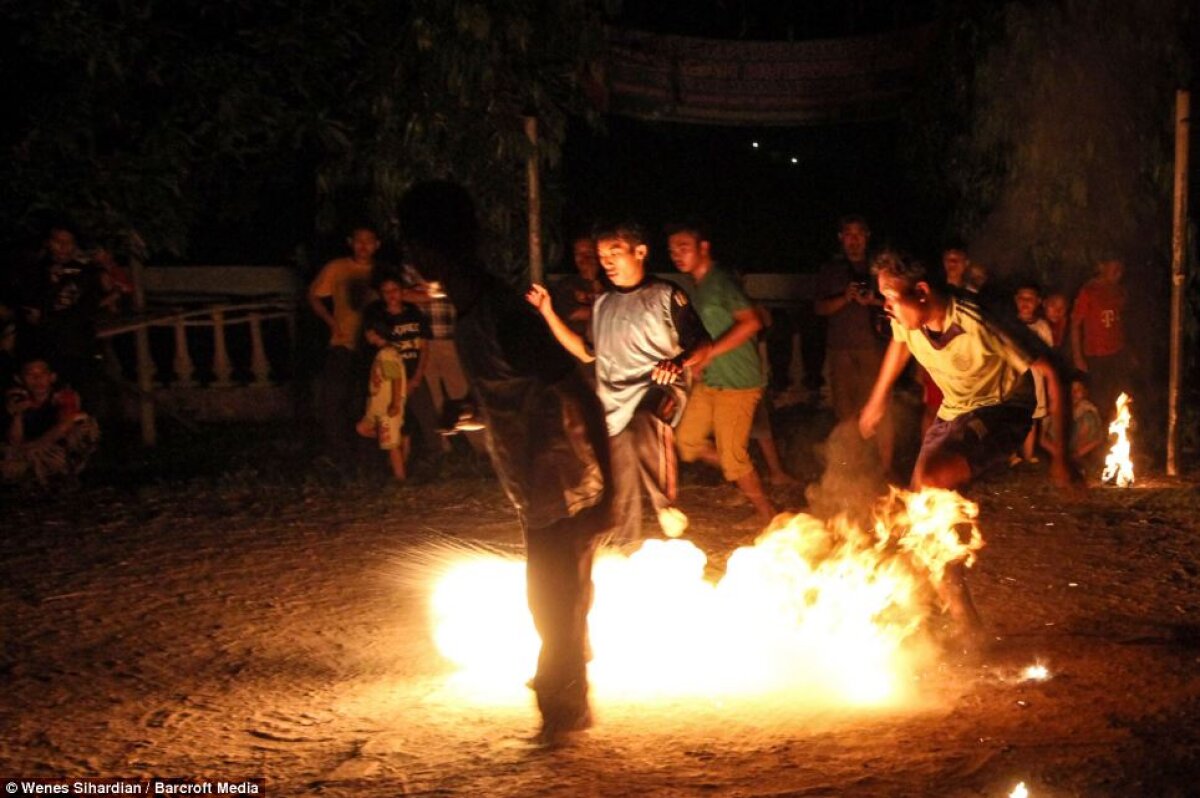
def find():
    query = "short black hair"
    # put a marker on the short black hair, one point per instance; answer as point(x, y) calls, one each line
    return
point(853, 218)
point(909, 270)
point(364, 226)
point(384, 275)
point(692, 226)
point(954, 244)
point(628, 231)
point(1031, 285)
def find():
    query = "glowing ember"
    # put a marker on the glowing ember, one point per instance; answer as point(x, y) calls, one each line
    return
point(1019, 791)
point(826, 612)
point(1035, 673)
point(1117, 466)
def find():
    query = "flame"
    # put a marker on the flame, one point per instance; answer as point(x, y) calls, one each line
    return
point(825, 612)
point(1020, 791)
point(1035, 673)
point(1117, 466)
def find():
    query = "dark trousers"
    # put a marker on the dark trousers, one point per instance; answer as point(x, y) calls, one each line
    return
point(421, 410)
point(558, 576)
point(340, 393)
point(1108, 377)
point(643, 454)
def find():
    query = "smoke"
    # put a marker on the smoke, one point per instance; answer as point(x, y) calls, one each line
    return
point(853, 479)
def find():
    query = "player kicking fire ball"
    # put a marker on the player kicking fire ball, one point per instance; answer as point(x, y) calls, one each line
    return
point(987, 386)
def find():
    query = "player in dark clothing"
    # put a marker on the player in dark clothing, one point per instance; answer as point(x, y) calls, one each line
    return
point(546, 437)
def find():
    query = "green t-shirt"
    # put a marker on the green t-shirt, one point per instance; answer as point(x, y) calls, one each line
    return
point(717, 297)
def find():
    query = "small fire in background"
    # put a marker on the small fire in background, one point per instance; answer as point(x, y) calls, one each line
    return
point(1118, 467)
point(825, 612)
point(1020, 791)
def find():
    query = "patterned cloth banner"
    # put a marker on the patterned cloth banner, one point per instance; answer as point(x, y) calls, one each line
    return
point(722, 82)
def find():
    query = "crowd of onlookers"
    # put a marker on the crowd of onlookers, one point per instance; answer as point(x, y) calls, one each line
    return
point(50, 366)
point(390, 371)
point(391, 349)
point(1083, 338)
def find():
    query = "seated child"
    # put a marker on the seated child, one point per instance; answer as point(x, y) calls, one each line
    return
point(398, 331)
point(1087, 431)
point(48, 434)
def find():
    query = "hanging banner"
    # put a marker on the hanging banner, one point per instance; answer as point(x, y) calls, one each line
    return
point(722, 82)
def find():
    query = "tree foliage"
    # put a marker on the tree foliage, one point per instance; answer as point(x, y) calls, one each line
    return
point(1063, 144)
point(146, 116)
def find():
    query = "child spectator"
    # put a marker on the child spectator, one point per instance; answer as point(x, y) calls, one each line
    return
point(1087, 431)
point(399, 332)
point(1055, 309)
point(1029, 302)
point(47, 432)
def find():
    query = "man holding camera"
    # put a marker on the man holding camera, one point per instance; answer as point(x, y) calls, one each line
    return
point(854, 350)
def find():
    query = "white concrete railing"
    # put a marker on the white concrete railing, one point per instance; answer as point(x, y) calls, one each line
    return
point(193, 303)
point(218, 318)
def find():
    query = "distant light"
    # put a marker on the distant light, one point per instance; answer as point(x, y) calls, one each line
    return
point(754, 144)
point(795, 159)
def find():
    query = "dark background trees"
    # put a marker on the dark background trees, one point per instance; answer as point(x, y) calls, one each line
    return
point(242, 130)
point(233, 130)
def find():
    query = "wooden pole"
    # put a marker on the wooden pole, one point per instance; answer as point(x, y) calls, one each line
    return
point(536, 271)
point(145, 363)
point(1178, 276)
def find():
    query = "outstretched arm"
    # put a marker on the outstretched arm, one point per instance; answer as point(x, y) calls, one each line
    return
point(539, 297)
point(894, 361)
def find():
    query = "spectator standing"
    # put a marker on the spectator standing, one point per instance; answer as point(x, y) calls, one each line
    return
point(445, 381)
point(847, 297)
point(729, 385)
point(338, 296)
point(1098, 335)
point(1028, 299)
point(574, 295)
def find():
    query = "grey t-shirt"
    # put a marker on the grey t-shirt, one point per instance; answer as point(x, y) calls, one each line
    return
point(634, 329)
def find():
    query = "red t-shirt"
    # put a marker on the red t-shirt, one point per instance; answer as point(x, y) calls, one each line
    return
point(1100, 306)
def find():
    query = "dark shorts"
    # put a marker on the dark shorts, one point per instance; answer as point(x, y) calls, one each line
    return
point(985, 437)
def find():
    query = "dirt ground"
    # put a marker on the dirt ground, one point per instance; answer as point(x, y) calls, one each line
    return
point(268, 621)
